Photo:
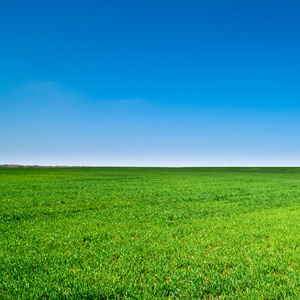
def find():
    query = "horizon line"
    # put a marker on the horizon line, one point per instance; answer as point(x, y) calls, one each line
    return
point(135, 166)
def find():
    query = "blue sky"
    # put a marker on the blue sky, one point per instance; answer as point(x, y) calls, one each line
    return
point(150, 83)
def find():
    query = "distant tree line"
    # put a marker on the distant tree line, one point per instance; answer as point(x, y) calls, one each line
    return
point(26, 166)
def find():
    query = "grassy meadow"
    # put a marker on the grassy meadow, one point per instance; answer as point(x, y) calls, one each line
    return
point(150, 233)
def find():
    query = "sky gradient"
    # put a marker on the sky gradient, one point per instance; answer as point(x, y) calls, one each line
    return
point(150, 83)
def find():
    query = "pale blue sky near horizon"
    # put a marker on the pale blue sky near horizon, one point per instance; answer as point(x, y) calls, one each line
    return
point(150, 83)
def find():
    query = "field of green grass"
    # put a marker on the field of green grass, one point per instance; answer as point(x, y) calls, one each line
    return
point(150, 233)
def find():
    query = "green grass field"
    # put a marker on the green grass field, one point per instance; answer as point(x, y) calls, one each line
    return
point(150, 233)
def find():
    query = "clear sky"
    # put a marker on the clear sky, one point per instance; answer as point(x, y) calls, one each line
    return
point(150, 83)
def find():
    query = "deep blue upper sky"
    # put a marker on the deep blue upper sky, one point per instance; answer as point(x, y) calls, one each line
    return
point(150, 82)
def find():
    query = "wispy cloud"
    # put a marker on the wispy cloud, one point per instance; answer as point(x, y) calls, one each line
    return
point(53, 100)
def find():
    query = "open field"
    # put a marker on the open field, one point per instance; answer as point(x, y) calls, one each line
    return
point(150, 233)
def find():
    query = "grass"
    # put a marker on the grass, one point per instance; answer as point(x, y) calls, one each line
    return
point(150, 233)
